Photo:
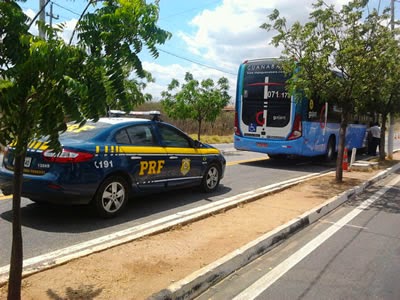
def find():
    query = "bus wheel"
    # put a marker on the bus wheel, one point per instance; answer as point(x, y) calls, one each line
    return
point(330, 150)
point(277, 156)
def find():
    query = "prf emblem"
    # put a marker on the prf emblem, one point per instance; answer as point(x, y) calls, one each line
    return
point(151, 167)
point(185, 167)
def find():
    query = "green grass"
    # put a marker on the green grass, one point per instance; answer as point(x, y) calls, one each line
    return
point(214, 139)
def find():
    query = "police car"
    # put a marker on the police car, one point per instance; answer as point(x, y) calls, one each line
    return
point(103, 163)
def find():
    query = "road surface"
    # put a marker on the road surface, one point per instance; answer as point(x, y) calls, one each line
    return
point(353, 253)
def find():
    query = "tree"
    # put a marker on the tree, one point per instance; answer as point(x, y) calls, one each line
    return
point(383, 84)
point(44, 84)
point(327, 58)
point(199, 101)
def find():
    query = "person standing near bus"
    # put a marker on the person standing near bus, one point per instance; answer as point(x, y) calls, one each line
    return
point(369, 138)
point(376, 138)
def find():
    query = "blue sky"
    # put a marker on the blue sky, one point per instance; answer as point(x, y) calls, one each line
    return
point(210, 37)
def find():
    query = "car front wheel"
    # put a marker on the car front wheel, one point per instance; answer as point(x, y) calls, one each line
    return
point(111, 197)
point(211, 179)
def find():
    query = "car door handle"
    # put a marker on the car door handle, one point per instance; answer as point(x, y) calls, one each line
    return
point(173, 157)
point(136, 157)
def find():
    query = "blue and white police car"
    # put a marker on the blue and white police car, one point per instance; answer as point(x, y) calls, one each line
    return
point(103, 163)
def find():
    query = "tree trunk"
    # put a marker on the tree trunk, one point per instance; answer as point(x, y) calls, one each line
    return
point(391, 135)
point(15, 274)
point(342, 141)
point(382, 142)
point(199, 130)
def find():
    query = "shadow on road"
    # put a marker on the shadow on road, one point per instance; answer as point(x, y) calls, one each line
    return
point(78, 219)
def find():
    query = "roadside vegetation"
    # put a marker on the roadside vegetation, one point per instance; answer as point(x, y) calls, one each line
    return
point(214, 139)
point(44, 82)
point(198, 101)
point(342, 56)
point(216, 132)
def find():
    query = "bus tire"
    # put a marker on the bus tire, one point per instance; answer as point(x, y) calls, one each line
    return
point(277, 156)
point(330, 149)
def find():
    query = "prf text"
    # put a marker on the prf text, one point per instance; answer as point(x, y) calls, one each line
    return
point(151, 167)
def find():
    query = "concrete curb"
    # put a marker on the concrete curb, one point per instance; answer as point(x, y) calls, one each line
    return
point(199, 281)
point(53, 259)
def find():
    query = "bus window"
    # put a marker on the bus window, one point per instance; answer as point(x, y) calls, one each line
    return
point(264, 94)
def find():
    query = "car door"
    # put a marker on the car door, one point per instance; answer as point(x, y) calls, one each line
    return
point(144, 158)
point(184, 161)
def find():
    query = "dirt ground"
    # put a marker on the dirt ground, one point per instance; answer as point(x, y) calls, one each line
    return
point(140, 268)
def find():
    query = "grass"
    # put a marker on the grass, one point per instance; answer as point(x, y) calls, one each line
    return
point(214, 139)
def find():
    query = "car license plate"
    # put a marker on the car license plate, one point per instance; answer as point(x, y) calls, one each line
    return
point(27, 162)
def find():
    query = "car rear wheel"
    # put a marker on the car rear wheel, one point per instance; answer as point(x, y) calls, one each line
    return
point(111, 197)
point(211, 179)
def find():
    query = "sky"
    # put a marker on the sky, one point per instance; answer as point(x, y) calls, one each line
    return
point(210, 38)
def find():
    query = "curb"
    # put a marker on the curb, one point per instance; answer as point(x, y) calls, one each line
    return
point(50, 260)
point(199, 281)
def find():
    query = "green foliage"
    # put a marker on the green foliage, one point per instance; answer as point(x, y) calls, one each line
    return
point(43, 84)
point(381, 87)
point(340, 57)
point(114, 35)
point(12, 22)
point(46, 83)
point(194, 100)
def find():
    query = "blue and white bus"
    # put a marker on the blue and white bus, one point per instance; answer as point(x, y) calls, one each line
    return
point(269, 120)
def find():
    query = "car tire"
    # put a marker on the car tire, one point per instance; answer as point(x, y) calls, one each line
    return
point(211, 179)
point(111, 197)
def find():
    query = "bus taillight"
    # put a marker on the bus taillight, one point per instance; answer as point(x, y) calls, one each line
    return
point(296, 131)
point(236, 128)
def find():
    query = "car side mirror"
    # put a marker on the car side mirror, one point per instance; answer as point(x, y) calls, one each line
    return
point(197, 144)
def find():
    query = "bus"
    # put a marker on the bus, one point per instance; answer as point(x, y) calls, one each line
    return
point(269, 120)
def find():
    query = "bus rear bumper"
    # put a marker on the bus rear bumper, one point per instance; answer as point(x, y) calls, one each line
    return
point(288, 147)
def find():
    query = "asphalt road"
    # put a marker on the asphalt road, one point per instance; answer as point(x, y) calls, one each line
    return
point(49, 228)
point(353, 253)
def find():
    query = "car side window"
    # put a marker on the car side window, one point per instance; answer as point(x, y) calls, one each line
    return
point(122, 137)
point(140, 135)
point(172, 137)
point(137, 135)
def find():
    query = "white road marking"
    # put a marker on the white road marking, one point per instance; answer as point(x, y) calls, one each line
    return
point(267, 280)
point(347, 225)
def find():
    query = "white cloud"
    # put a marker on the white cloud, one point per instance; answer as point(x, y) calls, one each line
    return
point(224, 35)
point(31, 14)
point(165, 74)
point(230, 34)
point(66, 34)
point(221, 37)
point(69, 27)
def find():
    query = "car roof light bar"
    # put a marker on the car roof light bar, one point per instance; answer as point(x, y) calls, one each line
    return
point(155, 114)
